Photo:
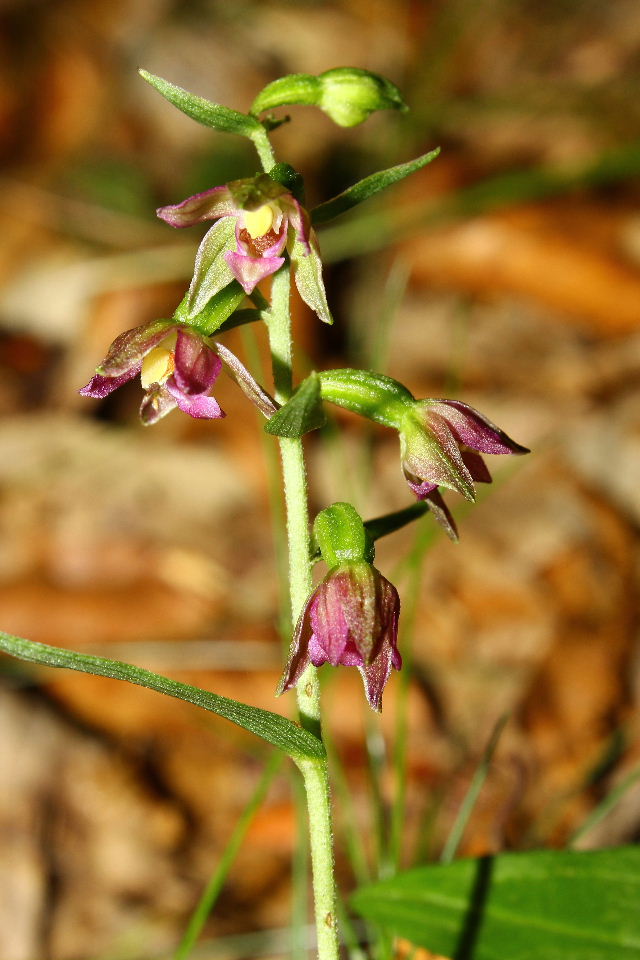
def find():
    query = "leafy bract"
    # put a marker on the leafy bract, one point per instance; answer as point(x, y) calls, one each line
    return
point(203, 111)
point(368, 187)
point(301, 414)
point(275, 729)
point(516, 906)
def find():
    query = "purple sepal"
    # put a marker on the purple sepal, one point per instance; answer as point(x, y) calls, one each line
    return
point(476, 466)
point(208, 205)
point(100, 387)
point(473, 429)
point(249, 271)
point(442, 514)
point(127, 351)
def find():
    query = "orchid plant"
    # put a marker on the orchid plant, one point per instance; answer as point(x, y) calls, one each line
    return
point(261, 231)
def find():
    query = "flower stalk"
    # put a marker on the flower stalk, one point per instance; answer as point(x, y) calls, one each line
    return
point(315, 774)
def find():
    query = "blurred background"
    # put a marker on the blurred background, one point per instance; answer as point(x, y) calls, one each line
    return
point(506, 274)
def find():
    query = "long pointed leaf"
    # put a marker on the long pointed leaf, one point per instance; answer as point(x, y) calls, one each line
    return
point(203, 111)
point(368, 187)
point(272, 727)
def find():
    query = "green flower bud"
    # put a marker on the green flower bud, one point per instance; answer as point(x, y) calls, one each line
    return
point(349, 95)
point(346, 94)
point(341, 536)
point(370, 394)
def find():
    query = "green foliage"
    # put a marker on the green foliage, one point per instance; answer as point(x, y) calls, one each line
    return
point(368, 187)
point(301, 414)
point(516, 906)
point(203, 111)
point(276, 730)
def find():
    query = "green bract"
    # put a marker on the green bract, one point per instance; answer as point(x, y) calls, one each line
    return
point(204, 111)
point(341, 536)
point(346, 94)
point(372, 395)
point(301, 414)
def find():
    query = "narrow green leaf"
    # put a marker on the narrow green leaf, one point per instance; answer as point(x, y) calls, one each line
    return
point(272, 727)
point(368, 187)
point(203, 111)
point(516, 906)
point(301, 414)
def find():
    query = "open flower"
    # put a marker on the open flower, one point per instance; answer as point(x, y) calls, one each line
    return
point(351, 618)
point(177, 368)
point(440, 445)
point(257, 219)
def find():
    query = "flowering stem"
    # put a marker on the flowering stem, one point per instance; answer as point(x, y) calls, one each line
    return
point(315, 773)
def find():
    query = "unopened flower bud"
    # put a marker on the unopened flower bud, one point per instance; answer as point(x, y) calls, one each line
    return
point(372, 395)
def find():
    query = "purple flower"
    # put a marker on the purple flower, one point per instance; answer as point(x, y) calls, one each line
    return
point(177, 368)
point(440, 445)
point(351, 618)
point(257, 219)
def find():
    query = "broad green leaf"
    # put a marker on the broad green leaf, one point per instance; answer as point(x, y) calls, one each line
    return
point(211, 274)
point(203, 111)
point(301, 414)
point(368, 187)
point(272, 727)
point(546, 905)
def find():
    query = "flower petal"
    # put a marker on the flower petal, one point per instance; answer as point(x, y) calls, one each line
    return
point(299, 220)
point(208, 205)
point(157, 402)
point(211, 271)
point(430, 453)
point(100, 387)
point(307, 271)
point(299, 651)
point(200, 407)
point(197, 365)
point(375, 676)
point(473, 429)
point(476, 466)
point(327, 618)
point(442, 514)
point(249, 271)
point(127, 351)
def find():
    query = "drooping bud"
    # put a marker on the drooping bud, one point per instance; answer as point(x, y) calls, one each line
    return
point(348, 95)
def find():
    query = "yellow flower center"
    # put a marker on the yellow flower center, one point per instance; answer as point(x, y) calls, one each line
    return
point(258, 222)
point(159, 363)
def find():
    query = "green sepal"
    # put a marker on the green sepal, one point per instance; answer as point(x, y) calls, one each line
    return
point(217, 311)
point(346, 94)
point(211, 273)
point(301, 414)
point(372, 395)
point(341, 536)
point(252, 192)
point(275, 729)
point(368, 187)
point(203, 111)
